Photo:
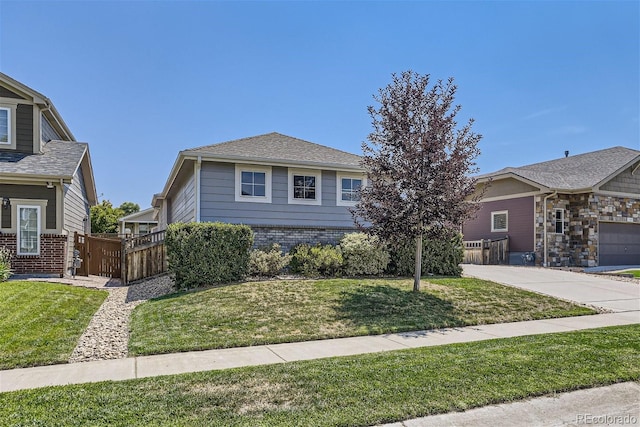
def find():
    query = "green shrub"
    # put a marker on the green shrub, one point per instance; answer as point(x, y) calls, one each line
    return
point(207, 253)
point(316, 260)
point(5, 264)
point(441, 257)
point(363, 255)
point(267, 262)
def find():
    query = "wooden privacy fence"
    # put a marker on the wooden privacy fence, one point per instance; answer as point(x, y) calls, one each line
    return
point(143, 256)
point(100, 256)
point(487, 252)
point(128, 259)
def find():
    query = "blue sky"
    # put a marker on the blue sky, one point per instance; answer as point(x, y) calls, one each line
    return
point(141, 80)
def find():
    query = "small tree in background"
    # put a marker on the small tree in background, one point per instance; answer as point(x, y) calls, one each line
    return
point(419, 163)
point(104, 217)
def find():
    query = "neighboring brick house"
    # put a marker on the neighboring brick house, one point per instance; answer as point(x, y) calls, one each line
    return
point(288, 190)
point(46, 182)
point(581, 210)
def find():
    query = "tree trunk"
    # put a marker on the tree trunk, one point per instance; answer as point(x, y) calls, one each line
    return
point(418, 270)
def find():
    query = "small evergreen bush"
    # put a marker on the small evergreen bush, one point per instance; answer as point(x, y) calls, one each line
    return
point(316, 260)
point(441, 257)
point(5, 264)
point(267, 262)
point(207, 253)
point(363, 255)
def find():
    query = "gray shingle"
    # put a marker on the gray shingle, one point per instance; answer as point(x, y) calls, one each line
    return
point(59, 159)
point(278, 148)
point(575, 172)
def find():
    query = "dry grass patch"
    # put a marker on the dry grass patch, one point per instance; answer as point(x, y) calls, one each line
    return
point(298, 310)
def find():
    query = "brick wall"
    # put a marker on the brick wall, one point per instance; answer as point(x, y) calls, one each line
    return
point(288, 237)
point(51, 258)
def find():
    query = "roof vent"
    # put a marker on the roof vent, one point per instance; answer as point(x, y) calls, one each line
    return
point(566, 153)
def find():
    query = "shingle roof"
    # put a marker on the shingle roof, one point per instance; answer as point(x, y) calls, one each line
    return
point(59, 159)
point(575, 172)
point(279, 148)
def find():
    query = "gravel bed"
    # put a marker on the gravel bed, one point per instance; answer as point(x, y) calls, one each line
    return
point(107, 335)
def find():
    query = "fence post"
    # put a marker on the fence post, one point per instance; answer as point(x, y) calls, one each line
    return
point(123, 262)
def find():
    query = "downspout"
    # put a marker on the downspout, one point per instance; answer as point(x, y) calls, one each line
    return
point(544, 225)
point(197, 185)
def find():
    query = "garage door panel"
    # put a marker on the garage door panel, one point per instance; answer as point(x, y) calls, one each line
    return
point(619, 244)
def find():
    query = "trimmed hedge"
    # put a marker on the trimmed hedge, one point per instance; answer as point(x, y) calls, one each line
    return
point(202, 254)
point(441, 257)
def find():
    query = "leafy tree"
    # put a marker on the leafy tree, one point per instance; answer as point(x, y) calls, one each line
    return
point(104, 217)
point(419, 163)
point(128, 208)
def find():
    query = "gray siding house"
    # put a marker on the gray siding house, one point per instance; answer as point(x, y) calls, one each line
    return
point(288, 190)
point(581, 210)
point(46, 182)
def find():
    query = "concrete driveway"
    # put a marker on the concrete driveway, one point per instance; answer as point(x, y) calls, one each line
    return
point(609, 294)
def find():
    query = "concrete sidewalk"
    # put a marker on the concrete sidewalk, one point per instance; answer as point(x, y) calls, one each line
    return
point(196, 361)
point(614, 405)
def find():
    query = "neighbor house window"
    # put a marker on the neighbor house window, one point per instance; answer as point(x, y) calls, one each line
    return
point(143, 229)
point(500, 221)
point(5, 125)
point(559, 221)
point(28, 232)
point(305, 186)
point(253, 184)
point(348, 191)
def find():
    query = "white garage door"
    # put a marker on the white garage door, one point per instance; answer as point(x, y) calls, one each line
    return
point(619, 244)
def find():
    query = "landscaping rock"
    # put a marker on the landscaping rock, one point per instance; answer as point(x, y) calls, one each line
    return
point(107, 336)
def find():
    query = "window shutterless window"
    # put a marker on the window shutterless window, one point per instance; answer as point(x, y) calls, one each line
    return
point(253, 184)
point(559, 221)
point(500, 221)
point(5, 125)
point(28, 230)
point(348, 188)
point(305, 186)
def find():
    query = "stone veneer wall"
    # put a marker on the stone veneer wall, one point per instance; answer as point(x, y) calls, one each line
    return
point(50, 261)
point(290, 236)
point(579, 244)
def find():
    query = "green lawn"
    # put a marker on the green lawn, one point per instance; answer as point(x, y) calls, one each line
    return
point(40, 323)
point(255, 313)
point(355, 390)
point(636, 273)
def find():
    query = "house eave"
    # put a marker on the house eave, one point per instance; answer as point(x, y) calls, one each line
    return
point(39, 178)
point(274, 162)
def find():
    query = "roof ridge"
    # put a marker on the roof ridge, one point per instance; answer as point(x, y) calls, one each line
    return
point(218, 144)
point(561, 159)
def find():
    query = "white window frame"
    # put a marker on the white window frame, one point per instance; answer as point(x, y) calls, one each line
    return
point(9, 126)
point(306, 172)
point(555, 220)
point(340, 177)
point(267, 181)
point(499, 230)
point(38, 231)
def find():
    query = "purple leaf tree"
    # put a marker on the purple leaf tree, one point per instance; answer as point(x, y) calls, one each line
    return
point(419, 164)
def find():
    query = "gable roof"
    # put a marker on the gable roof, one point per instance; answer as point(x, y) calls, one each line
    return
point(58, 160)
point(145, 215)
point(49, 110)
point(579, 172)
point(277, 148)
